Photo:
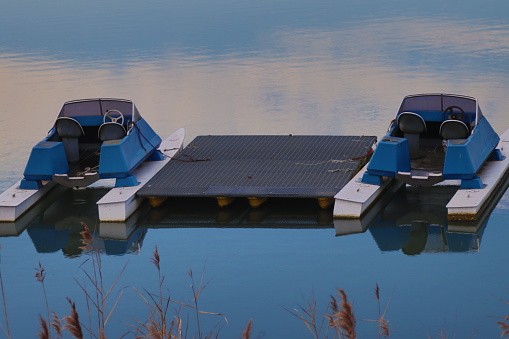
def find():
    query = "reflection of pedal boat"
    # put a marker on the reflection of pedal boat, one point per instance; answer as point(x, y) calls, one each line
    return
point(434, 137)
point(419, 237)
point(58, 226)
point(93, 139)
point(415, 221)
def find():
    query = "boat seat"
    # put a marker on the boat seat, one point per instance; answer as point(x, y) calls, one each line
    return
point(454, 129)
point(111, 131)
point(69, 130)
point(412, 125)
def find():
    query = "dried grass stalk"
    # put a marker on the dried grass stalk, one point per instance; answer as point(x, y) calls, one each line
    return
point(247, 331)
point(72, 322)
point(505, 328)
point(40, 273)
point(342, 318)
point(383, 324)
point(57, 326)
point(156, 260)
point(44, 331)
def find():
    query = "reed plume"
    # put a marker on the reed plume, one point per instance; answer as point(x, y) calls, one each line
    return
point(40, 275)
point(383, 323)
point(57, 326)
point(342, 318)
point(72, 322)
point(44, 331)
point(156, 259)
point(247, 331)
point(504, 327)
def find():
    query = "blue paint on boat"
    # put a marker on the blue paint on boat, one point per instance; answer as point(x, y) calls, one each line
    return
point(435, 137)
point(93, 139)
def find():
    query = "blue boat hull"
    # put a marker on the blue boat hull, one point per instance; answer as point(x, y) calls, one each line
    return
point(96, 158)
point(403, 154)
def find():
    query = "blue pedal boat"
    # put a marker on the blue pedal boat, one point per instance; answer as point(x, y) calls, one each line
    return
point(92, 139)
point(435, 137)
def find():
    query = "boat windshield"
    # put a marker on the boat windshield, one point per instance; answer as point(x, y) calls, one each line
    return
point(440, 102)
point(98, 107)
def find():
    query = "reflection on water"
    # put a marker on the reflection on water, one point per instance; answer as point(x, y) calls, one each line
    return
point(413, 221)
point(58, 225)
point(300, 80)
point(275, 213)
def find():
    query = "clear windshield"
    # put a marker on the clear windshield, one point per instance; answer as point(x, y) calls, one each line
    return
point(439, 102)
point(98, 107)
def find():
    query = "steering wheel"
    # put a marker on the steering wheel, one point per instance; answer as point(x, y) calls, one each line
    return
point(114, 115)
point(450, 114)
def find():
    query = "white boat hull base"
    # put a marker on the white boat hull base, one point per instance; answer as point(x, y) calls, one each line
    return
point(356, 198)
point(120, 202)
point(15, 201)
point(468, 204)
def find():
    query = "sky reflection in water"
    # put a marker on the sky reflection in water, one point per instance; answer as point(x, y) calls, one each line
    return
point(239, 67)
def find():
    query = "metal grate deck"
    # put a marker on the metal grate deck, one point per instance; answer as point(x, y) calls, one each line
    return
point(261, 166)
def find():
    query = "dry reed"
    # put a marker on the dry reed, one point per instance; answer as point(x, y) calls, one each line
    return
point(342, 319)
point(307, 315)
point(57, 325)
point(196, 294)
point(504, 326)
point(156, 326)
point(97, 297)
point(40, 275)
point(7, 328)
point(247, 331)
point(44, 330)
point(383, 323)
point(72, 322)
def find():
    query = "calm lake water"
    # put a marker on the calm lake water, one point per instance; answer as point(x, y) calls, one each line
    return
point(255, 67)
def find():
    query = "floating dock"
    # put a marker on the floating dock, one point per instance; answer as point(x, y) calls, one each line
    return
point(258, 167)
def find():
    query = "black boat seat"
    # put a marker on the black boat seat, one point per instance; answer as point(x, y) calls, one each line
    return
point(69, 130)
point(412, 125)
point(454, 129)
point(111, 131)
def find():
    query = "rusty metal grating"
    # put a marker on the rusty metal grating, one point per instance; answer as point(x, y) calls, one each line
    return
point(261, 166)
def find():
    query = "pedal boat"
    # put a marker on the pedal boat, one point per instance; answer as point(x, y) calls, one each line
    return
point(435, 137)
point(92, 139)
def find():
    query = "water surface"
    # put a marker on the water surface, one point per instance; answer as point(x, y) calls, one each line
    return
point(239, 67)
